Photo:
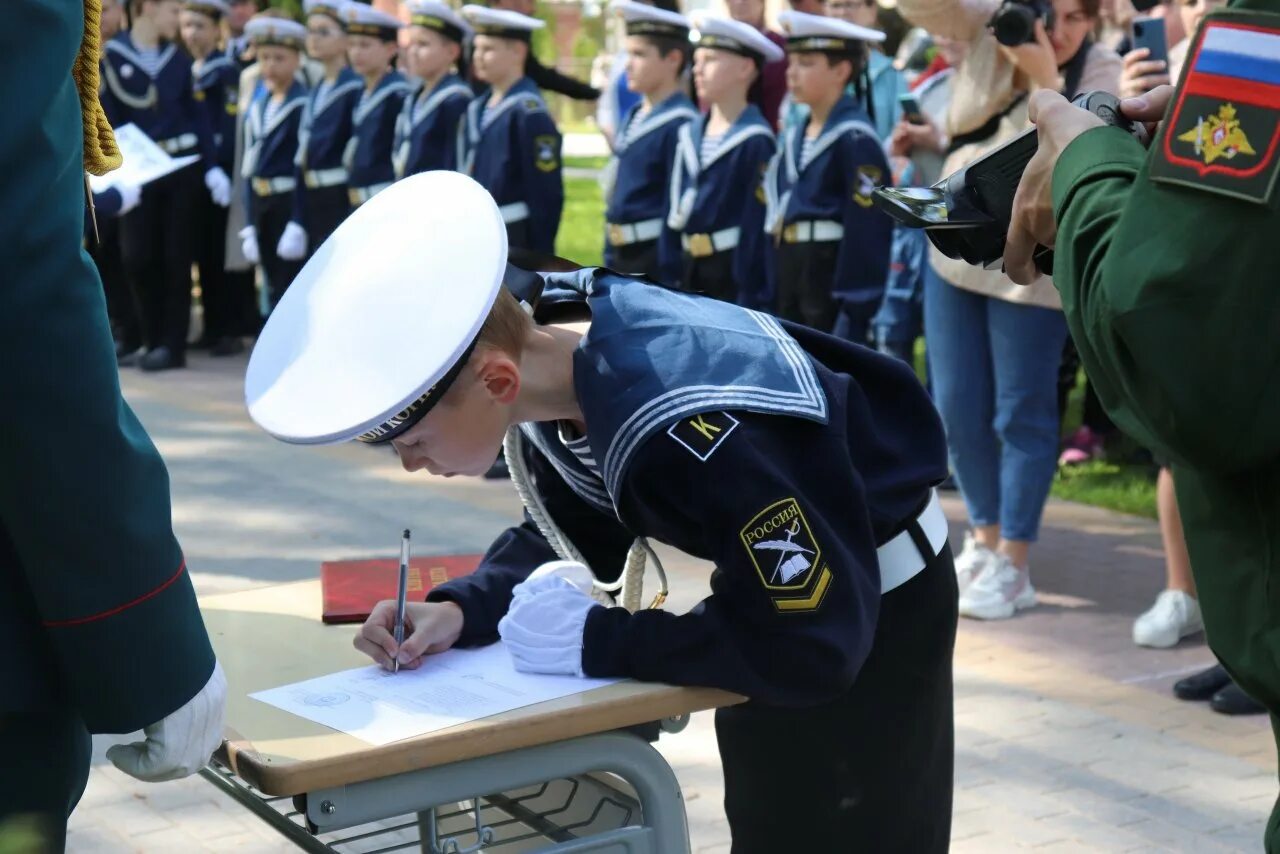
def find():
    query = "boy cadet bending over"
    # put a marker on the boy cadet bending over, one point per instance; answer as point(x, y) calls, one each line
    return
point(508, 141)
point(371, 46)
point(717, 193)
point(637, 239)
point(800, 464)
point(834, 246)
point(427, 129)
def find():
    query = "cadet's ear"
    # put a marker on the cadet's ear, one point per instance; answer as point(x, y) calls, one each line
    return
point(500, 375)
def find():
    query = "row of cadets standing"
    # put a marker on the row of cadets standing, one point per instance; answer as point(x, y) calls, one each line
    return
point(508, 141)
point(636, 182)
point(717, 196)
point(371, 47)
point(426, 135)
point(833, 245)
point(147, 81)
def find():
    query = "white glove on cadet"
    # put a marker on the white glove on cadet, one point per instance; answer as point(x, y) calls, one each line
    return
point(181, 744)
point(543, 578)
point(543, 629)
point(293, 243)
point(249, 244)
point(219, 186)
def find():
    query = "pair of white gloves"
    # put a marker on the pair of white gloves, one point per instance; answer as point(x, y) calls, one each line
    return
point(180, 744)
point(292, 245)
point(219, 186)
point(543, 627)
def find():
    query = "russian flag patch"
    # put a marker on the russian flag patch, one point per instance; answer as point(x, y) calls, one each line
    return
point(1223, 130)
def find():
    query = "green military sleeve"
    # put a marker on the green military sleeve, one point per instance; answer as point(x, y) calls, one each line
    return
point(84, 495)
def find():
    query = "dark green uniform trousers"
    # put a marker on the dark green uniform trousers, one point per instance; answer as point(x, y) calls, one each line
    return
point(46, 765)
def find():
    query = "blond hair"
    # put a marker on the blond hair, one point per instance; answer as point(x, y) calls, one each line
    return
point(506, 326)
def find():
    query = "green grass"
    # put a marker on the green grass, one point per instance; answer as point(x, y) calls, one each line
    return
point(581, 235)
point(585, 162)
point(1125, 488)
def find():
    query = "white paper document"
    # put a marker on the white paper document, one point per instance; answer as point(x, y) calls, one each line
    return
point(451, 688)
point(144, 161)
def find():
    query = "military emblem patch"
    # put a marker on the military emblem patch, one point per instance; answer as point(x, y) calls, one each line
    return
point(546, 153)
point(703, 433)
point(866, 181)
point(787, 557)
point(1222, 132)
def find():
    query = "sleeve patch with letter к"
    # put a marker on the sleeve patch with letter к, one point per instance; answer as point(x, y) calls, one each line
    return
point(703, 433)
point(787, 557)
point(1222, 132)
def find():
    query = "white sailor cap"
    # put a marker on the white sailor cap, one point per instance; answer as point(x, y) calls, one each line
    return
point(380, 321)
point(727, 34)
point(213, 8)
point(362, 20)
point(267, 29)
point(329, 8)
point(811, 33)
point(645, 20)
point(501, 22)
point(438, 16)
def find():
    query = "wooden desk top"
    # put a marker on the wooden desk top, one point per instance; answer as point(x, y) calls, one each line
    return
point(273, 636)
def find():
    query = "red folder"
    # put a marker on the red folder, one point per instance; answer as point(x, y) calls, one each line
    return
point(351, 588)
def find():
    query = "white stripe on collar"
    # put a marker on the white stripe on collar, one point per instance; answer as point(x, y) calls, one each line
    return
point(367, 105)
point(632, 131)
point(129, 53)
point(586, 485)
point(418, 112)
point(331, 97)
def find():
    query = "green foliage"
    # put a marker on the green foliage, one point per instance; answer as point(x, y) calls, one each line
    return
point(291, 7)
point(581, 236)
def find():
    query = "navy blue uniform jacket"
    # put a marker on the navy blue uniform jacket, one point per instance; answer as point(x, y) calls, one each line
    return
point(427, 127)
point(368, 154)
point(217, 93)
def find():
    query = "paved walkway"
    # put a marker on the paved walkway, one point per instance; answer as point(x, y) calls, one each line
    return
point(1067, 737)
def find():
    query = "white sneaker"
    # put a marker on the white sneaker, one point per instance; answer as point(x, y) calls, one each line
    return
point(999, 590)
point(1174, 616)
point(973, 558)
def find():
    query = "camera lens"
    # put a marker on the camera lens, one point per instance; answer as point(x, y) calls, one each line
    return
point(1014, 24)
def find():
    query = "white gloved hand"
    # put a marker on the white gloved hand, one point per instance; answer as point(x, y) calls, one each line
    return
point(543, 578)
point(249, 244)
point(130, 195)
point(543, 630)
point(181, 744)
point(219, 186)
point(292, 245)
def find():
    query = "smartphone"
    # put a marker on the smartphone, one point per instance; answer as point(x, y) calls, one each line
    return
point(910, 108)
point(1149, 33)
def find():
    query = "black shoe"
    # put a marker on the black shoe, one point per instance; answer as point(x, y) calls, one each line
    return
point(203, 343)
point(161, 359)
point(1202, 685)
point(227, 347)
point(499, 470)
point(127, 358)
point(1232, 700)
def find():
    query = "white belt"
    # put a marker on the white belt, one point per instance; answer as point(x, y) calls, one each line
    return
point(812, 231)
point(359, 195)
point(900, 560)
point(273, 186)
point(702, 245)
point(317, 178)
point(175, 144)
point(514, 212)
point(627, 233)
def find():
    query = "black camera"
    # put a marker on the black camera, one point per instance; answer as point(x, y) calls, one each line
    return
point(1014, 23)
point(967, 214)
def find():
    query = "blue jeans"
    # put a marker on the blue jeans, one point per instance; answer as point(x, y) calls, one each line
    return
point(994, 367)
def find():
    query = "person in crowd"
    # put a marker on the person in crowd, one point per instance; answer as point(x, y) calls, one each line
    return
point(427, 129)
point(237, 42)
point(770, 87)
point(995, 347)
point(1141, 73)
point(544, 77)
point(717, 190)
point(808, 7)
point(371, 47)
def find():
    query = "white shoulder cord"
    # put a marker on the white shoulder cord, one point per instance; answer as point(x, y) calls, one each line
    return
point(631, 583)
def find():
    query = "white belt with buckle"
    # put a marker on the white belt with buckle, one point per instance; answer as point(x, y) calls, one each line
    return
point(703, 245)
point(318, 178)
point(813, 231)
point(273, 186)
point(176, 144)
point(627, 233)
point(359, 195)
point(900, 560)
point(514, 212)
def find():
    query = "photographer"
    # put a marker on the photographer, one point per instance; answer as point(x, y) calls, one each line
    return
point(994, 348)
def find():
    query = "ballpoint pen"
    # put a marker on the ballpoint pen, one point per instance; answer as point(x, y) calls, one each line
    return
point(400, 598)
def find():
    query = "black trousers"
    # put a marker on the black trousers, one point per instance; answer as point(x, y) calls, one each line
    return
point(871, 771)
point(805, 273)
point(270, 215)
point(640, 258)
point(122, 303)
point(711, 275)
point(326, 208)
point(157, 246)
point(46, 765)
point(211, 258)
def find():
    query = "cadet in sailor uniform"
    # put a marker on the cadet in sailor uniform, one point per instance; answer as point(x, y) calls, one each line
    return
point(637, 239)
point(147, 81)
point(371, 47)
point(427, 129)
point(833, 250)
point(801, 465)
point(717, 191)
point(272, 238)
point(508, 141)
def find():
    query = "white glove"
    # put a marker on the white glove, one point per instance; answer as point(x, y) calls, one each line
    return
point(181, 744)
point(543, 630)
point(293, 243)
point(249, 244)
point(130, 195)
point(219, 186)
point(544, 578)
